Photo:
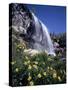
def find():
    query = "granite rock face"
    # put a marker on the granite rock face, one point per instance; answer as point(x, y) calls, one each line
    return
point(26, 27)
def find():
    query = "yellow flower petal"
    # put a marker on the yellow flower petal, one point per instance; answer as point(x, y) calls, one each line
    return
point(13, 62)
point(43, 63)
point(35, 66)
point(29, 67)
point(51, 68)
point(16, 69)
point(26, 57)
point(59, 78)
point(29, 78)
point(54, 75)
point(25, 63)
point(31, 83)
point(44, 73)
point(28, 61)
point(39, 75)
point(36, 62)
point(48, 67)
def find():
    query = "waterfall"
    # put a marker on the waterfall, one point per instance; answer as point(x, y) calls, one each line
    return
point(42, 38)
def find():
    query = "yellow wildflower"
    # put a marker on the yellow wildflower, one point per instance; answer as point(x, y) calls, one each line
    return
point(26, 57)
point(59, 78)
point(39, 75)
point(28, 61)
point(48, 67)
point(51, 68)
point(35, 66)
point(16, 69)
point(13, 62)
point(43, 63)
point(29, 67)
point(20, 46)
point(49, 59)
point(44, 73)
point(54, 75)
point(36, 62)
point(31, 83)
point(29, 78)
point(25, 63)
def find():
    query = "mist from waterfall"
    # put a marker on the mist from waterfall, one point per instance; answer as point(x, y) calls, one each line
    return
point(42, 38)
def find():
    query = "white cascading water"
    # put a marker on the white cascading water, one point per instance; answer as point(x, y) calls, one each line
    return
point(42, 37)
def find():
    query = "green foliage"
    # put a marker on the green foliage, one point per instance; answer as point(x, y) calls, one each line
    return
point(39, 69)
point(62, 40)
